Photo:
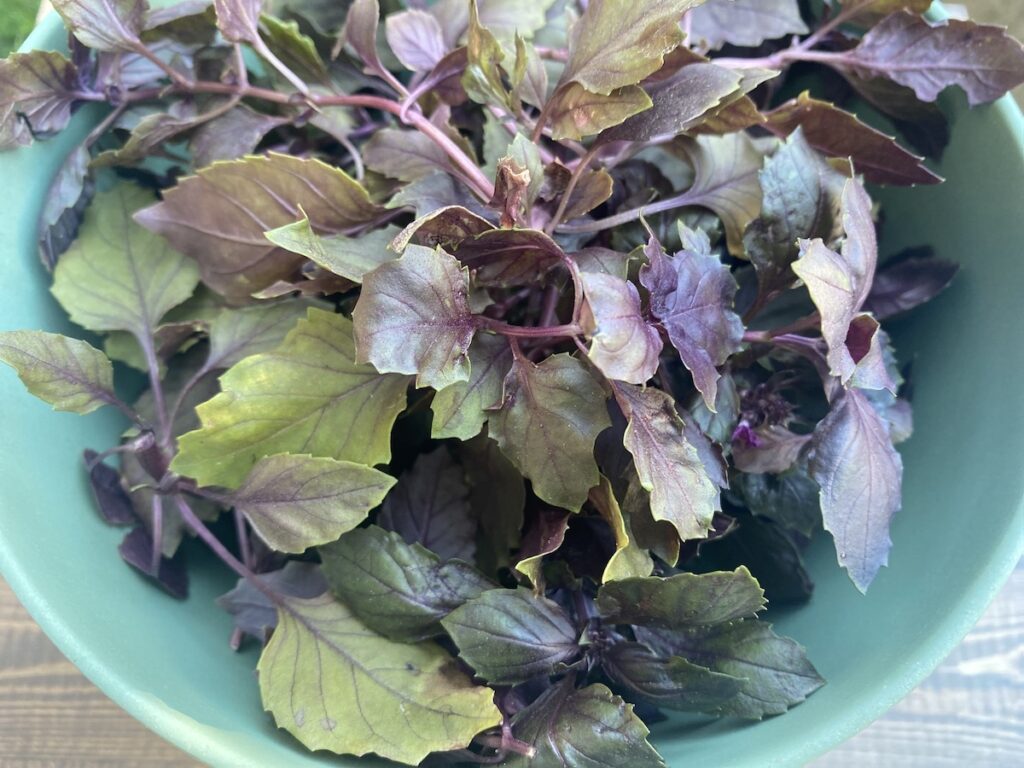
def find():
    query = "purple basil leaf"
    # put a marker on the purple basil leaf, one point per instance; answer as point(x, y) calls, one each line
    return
point(907, 283)
point(430, 506)
point(137, 550)
point(36, 95)
point(254, 613)
point(416, 39)
point(623, 345)
point(790, 499)
point(112, 501)
point(106, 25)
point(692, 296)
point(746, 22)
point(860, 475)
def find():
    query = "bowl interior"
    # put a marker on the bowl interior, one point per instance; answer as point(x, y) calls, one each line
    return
point(958, 536)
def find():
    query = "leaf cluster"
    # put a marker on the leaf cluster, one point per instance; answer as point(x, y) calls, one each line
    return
point(522, 345)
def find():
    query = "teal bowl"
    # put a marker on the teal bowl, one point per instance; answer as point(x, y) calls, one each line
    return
point(959, 535)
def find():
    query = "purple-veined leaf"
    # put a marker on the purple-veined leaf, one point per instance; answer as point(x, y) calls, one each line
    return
point(413, 316)
point(838, 133)
point(235, 334)
point(416, 39)
point(446, 227)
point(36, 94)
point(105, 25)
point(983, 60)
point(297, 501)
point(860, 475)
point(430, 506)
point(232, 135)
point(768, 449)
point(622, 344)
point(219, 216)
point(550, 415)
point(252, 610)
point(404, 155)
point(461, 409)
point(668, 466)
point(746, 22)
point(691, 296)
point(238, 20)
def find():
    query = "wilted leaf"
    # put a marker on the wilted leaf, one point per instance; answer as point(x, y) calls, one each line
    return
point(69, 374)
point(36, 94)
point(746, 22)
point(585, 728)
point(308, 395)
point(550, 415)
point(629, 559)
point(461, 409)
point(483, 79)
point(692, 296)
point(334, 684)
point(296, 501)
point(413, 316)
point(509, 636)
point(399, 590)
point(860, 475)
point(430, 506)
point(219, 216)
point(447, 227)
point(623, 345)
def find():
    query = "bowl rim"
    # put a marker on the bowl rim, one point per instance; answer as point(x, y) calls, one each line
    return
point(205, 745)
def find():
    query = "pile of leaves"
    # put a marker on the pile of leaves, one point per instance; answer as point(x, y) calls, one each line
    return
point(522, 345)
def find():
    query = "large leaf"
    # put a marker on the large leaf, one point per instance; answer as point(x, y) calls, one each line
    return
point(684, 600)
point(726, 181)
point(36, 94)
point(839, 133)
point(983, 60)
point(117, 276)
point(335, 685)
point(399, 590)
point(692, 296)
point(349, 257)
point(680, 104)
point(669, 682)
point(801, 200)
point(860, 475)
point(509, 636)
point(622, 344)
point(550, 415)
point(746, 22)
point(586, 728)
point(309, 395)
point(430, 506)
point(106, 25)
point(237, 333)
point(620, 42)
point(773, 671)
point(668, 465)
point(69, 374)
point(461, 409)
point(295, 501)
point(413, 316)
point(219, 216)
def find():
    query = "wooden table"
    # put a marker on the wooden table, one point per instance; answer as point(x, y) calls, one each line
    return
point(969, 713)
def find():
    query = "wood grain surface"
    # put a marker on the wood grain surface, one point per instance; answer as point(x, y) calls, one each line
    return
point(970, 712)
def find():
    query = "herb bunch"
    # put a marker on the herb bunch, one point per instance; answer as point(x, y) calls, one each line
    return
point(526, 343)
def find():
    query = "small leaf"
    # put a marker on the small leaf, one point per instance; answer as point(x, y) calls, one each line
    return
point(509, 636)
point(404, 155)
point(117, 276)
point(683, 600)
point(335, 685)
point(529, 75)
point(430, 506)
point(692, 295)
point(136, 549)
point(550, 415)
point(790, 499)
point(602, 261)
point(238, 20)
point(773, 671)
point(839, 282)
point(770, 448)
point(585, 728)
point(629, 559)
point(416, 39)
point(620, 42)
point(69, 374)
point(254, 613)
point(219, 216)
point(112, 501)
point(307, 395)
point(295, 50)
point(413, 316)
point(623, 346)
point(296, 501)
point(860, 475)
point(671, 683)
point(349, 257)
point(746, 23)
point(36, 95)
point(234, 134)
point(543, 536)
point(483, 79)
point(461, 409)
point(576, 112)
point(837, 133)
point(447, 227)
point(668, 466)
point(399, 590)
point(902, 285)
point(106, 25)
point(983, 60)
